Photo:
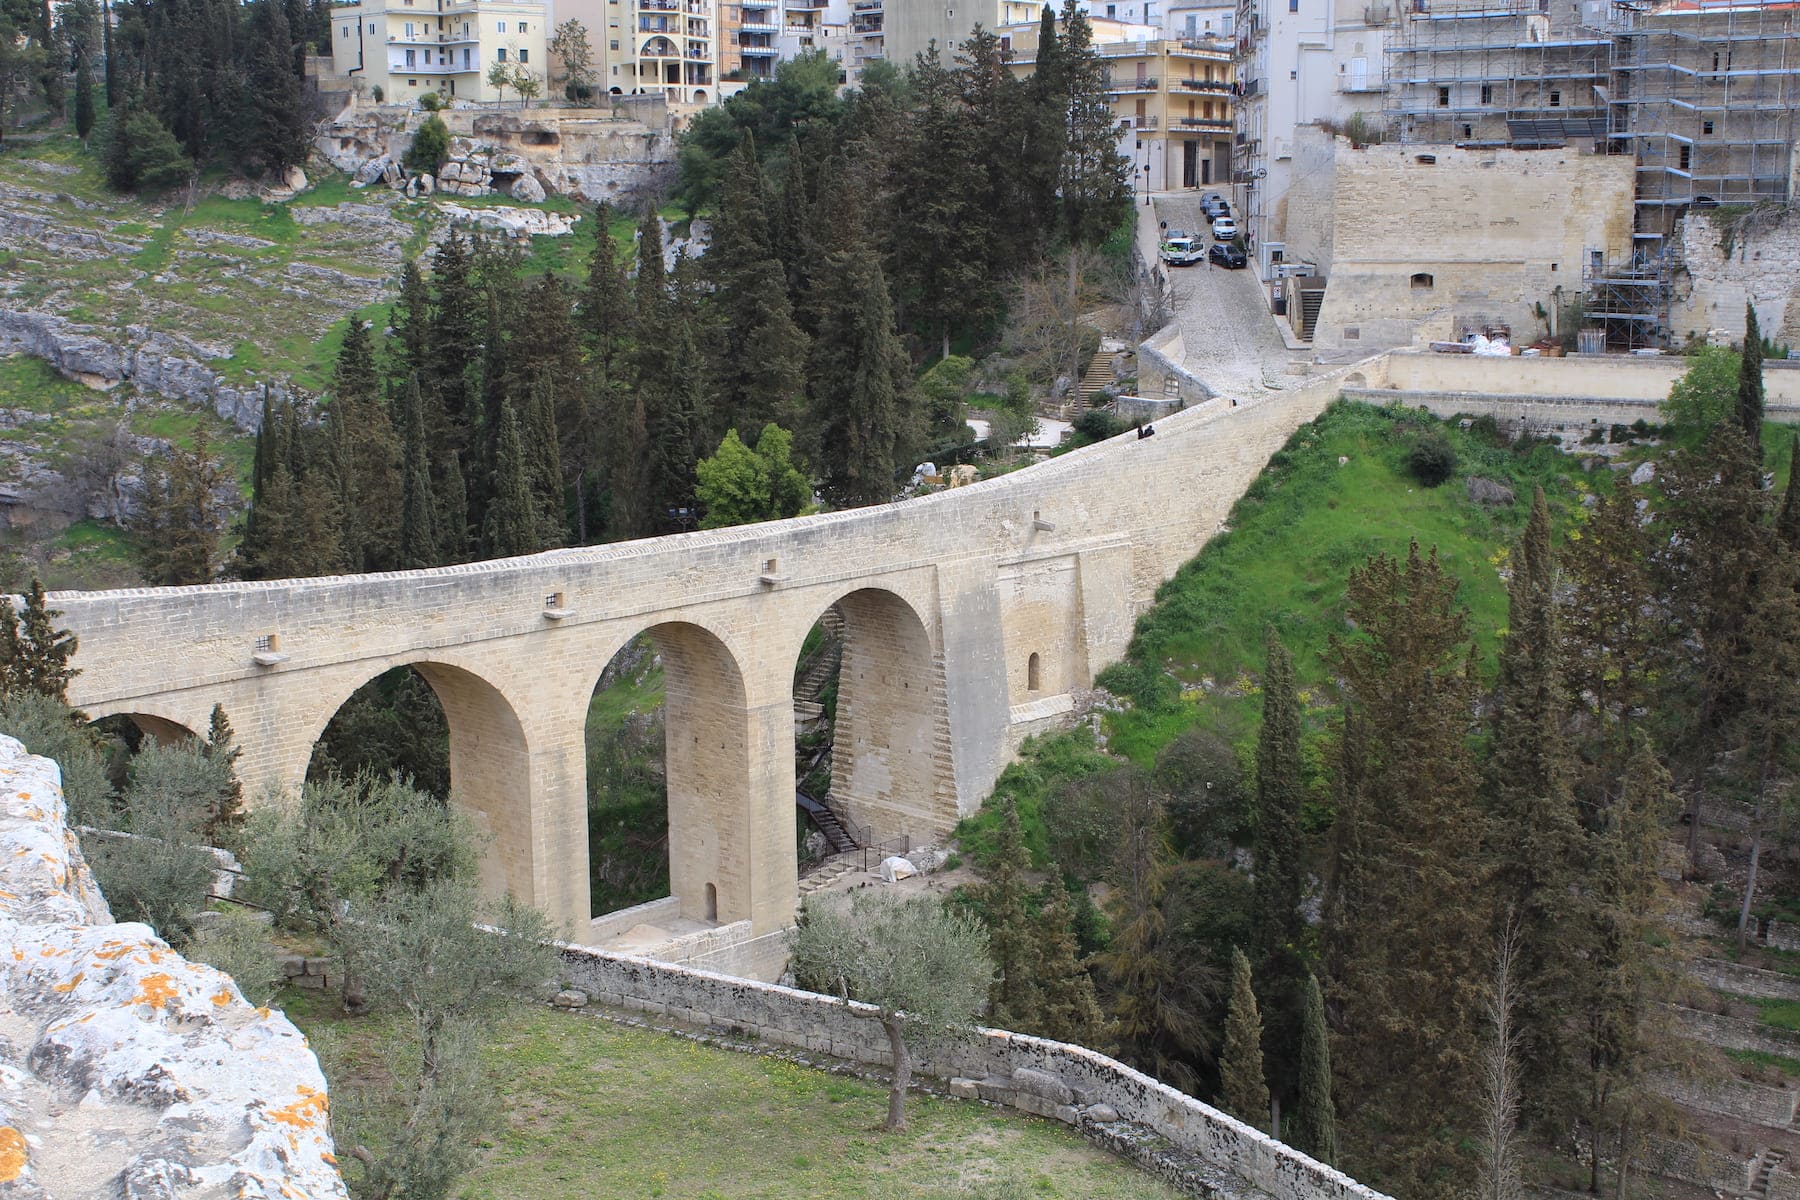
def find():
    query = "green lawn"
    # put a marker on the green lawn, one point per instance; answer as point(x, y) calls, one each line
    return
point(596, 1109)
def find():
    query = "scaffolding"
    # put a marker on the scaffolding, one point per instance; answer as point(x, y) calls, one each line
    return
point(1703, 93)
point(1496, 73)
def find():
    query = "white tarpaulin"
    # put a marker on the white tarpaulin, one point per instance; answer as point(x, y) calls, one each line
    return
point(895, 868)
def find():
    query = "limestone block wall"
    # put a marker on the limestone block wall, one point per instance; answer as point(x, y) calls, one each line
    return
point(1760, 1104)
point(1736, 1033)
point(1742, 980)
point(125, 1069)
point(1699, 1165)
point(1763, 268)
point(1012, 1068)
point(1496, 232)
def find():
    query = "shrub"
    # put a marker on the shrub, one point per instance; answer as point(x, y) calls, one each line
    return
point(430, 147)
point(1096, 425)
point(47, 726)
point(1431, 459)
point(238, 944)
point(431, 102)
point(377, 94)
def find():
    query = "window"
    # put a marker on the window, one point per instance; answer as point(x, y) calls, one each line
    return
point(1443, 97)
point(522, 27)
point(1555, 99)
point(346, 31)
point(1421, 282)
point(1033, 674)
point(1487, 93)
point(524, 56)
point(1706, 127)
point(412, 83)
point(501, 53)
point(1686, 157)
point(409, 29)
point(1112, 11)
point(1293, 5)
point(614, 43)
point(1468, 131)
point(409, 57)
point(502, 27)
point(467, 65)
point(371, 27)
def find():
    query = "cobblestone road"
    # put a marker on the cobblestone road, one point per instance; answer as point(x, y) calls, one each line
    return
point(1227, 332)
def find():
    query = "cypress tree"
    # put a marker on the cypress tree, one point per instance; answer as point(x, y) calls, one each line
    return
point(452, 517)
point(84, 98)
point(1766, 727)
point(1068, 1009)
point(1046, 129)
point(1094, 182)
point(512, 518)
point(546, 467)
point(605, 309)
point(226, 816)
point(1243, 1091)
point(1750, 380)
point(34, 653)
point(1012, 997)
point(419, 542)
point(272, 112)
point(1313, 1127)
point(495, 378)
point(366, 457)
point(674, 423)
point(106, 51)
point(1280, 790)
point(1787, 519)
point(411, 323)
point(1406, 1006)
point(1609, 624)
point(455, 343)
point(1537, 843)
point(862, 384)
point(181, 518)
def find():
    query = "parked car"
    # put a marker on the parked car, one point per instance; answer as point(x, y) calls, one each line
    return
point(1182, 250)
point(1214, 205)
point(1224, 229)
point(1226, 255)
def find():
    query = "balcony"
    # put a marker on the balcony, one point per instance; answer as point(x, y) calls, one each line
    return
point(1122, 86)
point(1217, 124)
point(1140, 122)
point(864, 6)
point(1204, 85)
point(758, 27)
point(653, 25)
point(866, 24)
point(1351, 85)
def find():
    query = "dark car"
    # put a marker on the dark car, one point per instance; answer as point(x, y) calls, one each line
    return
point(1214, 205)
point(1226, 255)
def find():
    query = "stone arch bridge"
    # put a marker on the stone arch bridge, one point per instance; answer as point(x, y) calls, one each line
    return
point(971, 618)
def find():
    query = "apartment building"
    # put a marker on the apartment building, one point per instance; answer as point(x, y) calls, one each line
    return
point(410, 47)
point(1299, 62)
point(671, 47)
point(1172, 98)
point(808, 25)
point(907, 27)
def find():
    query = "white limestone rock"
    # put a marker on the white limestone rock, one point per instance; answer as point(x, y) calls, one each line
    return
point(1644, 474)
point(186, 1090)
point(528, 189)
point(513, 222)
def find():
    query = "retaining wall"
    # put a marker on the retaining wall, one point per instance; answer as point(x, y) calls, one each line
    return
point(1696, 1164)
point(1049, 1078)
point(1736, 1033)
point(1746, 981)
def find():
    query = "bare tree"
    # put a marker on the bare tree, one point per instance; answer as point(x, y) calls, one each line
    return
point(1497, 1176)
point(915, 963)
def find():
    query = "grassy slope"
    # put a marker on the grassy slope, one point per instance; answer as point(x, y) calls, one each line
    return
point(597, 1109)
point(1294, 537)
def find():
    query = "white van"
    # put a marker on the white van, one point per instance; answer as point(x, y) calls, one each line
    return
point(1181, 250)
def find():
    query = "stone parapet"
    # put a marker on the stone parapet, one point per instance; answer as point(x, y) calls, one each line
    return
point(1055, 1079)
point(127, 1070)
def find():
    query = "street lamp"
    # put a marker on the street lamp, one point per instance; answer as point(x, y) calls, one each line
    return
point(1146, 183)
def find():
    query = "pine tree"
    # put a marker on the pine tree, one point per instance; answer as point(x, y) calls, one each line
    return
point(513, 517)
point(419, 544)
point(1313, 1127)
point(452, 516)
point(943, 269)
point(1068, 1009)
point(1750, 380)
point(1280, 791)
point(272, 110)
point(862, 381)
point(1243, 1091)
point(1537, 844)
point(1012, 997)
point(34, 653)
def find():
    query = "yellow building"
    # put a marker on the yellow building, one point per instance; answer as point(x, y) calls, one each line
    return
point(410, 47)
point(1172, 98)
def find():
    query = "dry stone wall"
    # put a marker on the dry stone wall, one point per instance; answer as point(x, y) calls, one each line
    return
point(1762, 267)
point(1068, 1083)
point(125, 1070)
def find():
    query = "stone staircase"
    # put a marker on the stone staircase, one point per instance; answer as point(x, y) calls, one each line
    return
point(829, 872)
point(1096, 379)
point(1765, 1172)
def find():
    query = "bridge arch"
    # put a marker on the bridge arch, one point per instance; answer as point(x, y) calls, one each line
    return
point(891, 766)
point(160, 724)
point(706, 768)
point(491, 778)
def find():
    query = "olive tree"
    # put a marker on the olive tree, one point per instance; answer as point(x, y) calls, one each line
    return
point(916, 964)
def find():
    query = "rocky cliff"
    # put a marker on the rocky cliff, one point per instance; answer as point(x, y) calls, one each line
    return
point(125, 1070)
